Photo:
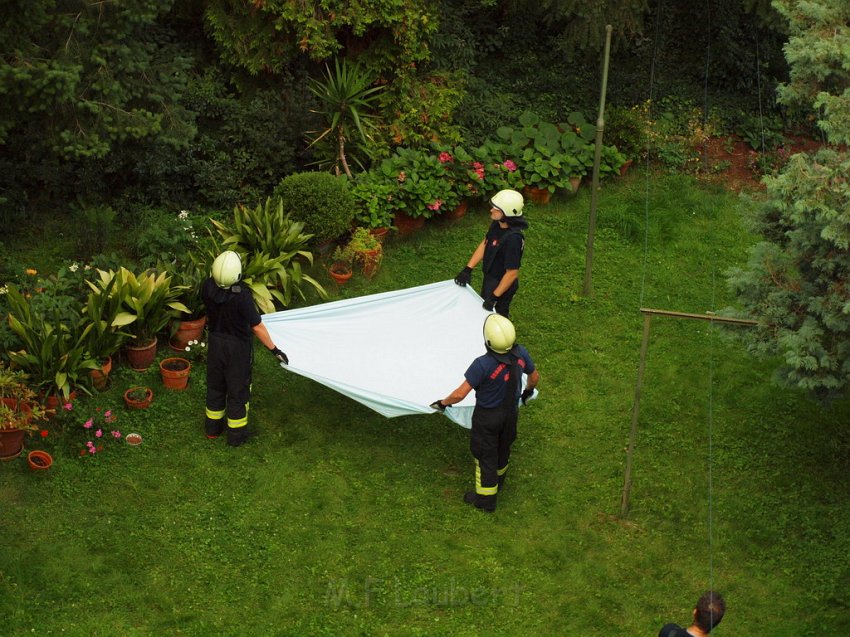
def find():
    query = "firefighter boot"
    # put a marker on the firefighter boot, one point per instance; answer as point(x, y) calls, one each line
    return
point(214, 428)
point(239, 436)
point(486, 503)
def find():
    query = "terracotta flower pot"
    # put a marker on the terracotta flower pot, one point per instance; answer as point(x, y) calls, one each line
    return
point(39, 460)
point(141, 357)
point(53, 403)
point(370, 260)
point(407, 224)
point(175, 372)
point(187, 331)
point(100, 377)
point(11, 443)
point(458, 211)
point(138, 397)
point(538, 195)
point(340, 272)
point(379, 233)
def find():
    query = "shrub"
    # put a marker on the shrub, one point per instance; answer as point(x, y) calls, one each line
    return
point(375, 197)
point(628, 128)
point(321, 201)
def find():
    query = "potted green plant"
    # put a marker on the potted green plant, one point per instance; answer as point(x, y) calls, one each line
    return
point(366, 249)
point(18, 409)
point(139, 397)
point(54, 354)
point(273, 247)
point(148, 302)
point(101, 336)
point(189, 275)
point(341, 264)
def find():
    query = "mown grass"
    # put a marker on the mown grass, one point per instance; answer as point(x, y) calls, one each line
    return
point(336, 521)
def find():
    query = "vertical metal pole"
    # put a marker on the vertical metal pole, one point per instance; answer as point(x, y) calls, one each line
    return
point(600, 127)
point(627, 484)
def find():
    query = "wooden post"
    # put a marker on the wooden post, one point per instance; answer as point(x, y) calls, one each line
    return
point(597, 157)
point(627, 484)
point(644, 346)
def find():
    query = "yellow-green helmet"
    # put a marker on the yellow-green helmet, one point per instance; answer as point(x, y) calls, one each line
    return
point(499, 333)
point(510, 202)
point(227, 269)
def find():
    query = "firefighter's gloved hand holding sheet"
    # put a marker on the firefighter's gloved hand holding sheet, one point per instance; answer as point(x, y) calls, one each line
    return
point(392, 352)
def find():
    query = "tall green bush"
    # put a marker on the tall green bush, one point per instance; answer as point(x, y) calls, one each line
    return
point(321, 201)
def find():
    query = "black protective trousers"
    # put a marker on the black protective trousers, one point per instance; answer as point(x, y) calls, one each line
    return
point(229, 363)
point(493, 433)
point(504, 305)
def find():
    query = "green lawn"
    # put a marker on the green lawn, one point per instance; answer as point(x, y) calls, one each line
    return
point(336, 521)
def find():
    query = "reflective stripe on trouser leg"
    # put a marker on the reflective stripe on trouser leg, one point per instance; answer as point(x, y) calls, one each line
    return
point(501, 473)
point(214, 424)
point(238, 423)
point(480, 489)
point(483, 443)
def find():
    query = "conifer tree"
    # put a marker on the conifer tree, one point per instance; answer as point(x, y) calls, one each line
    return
point(797, 280)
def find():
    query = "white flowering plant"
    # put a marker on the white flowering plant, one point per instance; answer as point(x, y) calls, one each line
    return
point(195, 351)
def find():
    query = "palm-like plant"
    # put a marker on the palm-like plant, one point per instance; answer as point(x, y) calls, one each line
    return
point(54, 354)
point(346, 97)
point(148, 301)
point(273, 247)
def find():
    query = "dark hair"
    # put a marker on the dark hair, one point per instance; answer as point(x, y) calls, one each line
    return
point(710, 609)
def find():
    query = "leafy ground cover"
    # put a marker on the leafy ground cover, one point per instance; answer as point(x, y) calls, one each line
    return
point(336, 521)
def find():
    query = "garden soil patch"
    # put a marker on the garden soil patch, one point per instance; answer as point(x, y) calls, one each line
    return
point(732, 162)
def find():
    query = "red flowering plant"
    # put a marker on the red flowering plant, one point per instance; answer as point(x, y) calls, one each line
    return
point(424, 181)
point(466, 174)
point(494, 168)
point(99, 429)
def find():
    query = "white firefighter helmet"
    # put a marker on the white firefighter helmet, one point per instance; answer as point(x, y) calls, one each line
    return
point(499, 333)
point(227, 269)
point(510, 202)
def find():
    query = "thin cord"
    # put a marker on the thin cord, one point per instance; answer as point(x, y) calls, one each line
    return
point(758, 84)
point(646, 171)
point(711, 336)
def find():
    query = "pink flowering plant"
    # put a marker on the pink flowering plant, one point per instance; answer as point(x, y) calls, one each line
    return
point(424, 181)
point(494, 167)
point(100, 429)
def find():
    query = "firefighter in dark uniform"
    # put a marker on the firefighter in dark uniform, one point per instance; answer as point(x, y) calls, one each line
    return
point(495, 377)
point(500, 253)
point(233, 321)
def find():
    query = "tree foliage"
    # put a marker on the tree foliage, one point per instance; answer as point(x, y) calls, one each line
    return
point(92, 74)
point(265, 36)
point(797, 281)
point(818, 52)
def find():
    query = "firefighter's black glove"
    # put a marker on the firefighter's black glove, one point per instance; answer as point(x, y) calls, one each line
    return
point(490, 304)
point(279, 355)
point(464, 277)
point(439, 406)
point(528, 393)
